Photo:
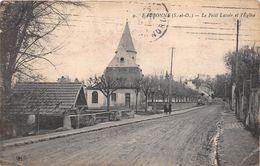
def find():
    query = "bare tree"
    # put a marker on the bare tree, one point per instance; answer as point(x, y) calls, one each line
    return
point(146, 89)
point(164, 87)
point(106, 84)
point(25, 29)
point(137, 83)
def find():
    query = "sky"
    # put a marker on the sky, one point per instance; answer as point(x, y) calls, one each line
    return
point(201, 32)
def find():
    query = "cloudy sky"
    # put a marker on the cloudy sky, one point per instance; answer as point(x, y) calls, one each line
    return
point(201, 32)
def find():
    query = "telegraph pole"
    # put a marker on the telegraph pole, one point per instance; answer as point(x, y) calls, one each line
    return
point(170, 80)
point(237, 60)
point(237, 38)
point(235, 71)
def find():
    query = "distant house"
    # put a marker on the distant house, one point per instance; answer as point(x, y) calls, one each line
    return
point(122, 67)
point(51, 101)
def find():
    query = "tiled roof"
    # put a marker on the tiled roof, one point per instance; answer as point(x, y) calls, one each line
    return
point(44, 97)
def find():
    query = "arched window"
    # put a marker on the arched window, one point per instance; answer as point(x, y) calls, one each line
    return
point(94, 97)
point(113, 97)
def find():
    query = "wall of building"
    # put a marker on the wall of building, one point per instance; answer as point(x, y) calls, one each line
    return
point(120, 99)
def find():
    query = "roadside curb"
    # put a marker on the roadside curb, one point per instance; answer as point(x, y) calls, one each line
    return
point(10, 163)
point(243, 148)
point(85, 130)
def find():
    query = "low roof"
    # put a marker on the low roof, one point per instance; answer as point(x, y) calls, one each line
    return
point(45, 97)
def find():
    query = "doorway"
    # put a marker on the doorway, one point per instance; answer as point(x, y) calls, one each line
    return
point(127, 100)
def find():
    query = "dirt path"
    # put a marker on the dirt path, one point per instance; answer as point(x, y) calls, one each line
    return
point(176, 140)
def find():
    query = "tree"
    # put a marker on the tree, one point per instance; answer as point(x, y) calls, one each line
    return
point(146, 86)
point(222, 85)
point(106, 84)
point(25, 29)
point(197, 82)
point(137, 82)
point(164, 87)
point(63, 79)
point(248, 65)
point(155, 83)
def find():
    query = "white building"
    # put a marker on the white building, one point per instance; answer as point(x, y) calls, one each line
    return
point(123, 66)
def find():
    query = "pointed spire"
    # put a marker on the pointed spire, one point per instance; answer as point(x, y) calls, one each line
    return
point(126, 41)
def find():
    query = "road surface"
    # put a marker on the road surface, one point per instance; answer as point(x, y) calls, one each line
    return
point(179, 140)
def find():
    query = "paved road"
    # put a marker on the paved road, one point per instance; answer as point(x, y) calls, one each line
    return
point(181, 140)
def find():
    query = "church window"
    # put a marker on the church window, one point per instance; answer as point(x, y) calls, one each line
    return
point(94, 97)
point(122, 59)
point(113, 97)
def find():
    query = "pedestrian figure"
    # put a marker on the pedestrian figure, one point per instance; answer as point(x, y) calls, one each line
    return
point(170, 109)
point(165, 108)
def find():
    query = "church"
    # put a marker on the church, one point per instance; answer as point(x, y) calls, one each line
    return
point(122, 67)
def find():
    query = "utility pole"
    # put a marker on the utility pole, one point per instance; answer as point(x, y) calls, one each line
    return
point(237, 58)
point(235, 73)
point(170, 81)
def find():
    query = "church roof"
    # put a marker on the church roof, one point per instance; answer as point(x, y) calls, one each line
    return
point(127, 76)
point(126, 41)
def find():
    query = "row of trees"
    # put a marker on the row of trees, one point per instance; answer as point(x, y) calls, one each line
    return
point(246, 81)
point(248, 66)
point(248, 72)
point(151, 86)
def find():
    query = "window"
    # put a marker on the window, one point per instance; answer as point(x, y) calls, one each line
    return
point(94, 97)
point(127, 100)
point(113, 97)
point(122, 59)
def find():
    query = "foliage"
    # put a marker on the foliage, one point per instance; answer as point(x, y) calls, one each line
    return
point(222, 85)
point(205, 82)
point(248, 65)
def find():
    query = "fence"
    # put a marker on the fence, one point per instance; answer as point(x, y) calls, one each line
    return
point(248, 104)
point(83, 120)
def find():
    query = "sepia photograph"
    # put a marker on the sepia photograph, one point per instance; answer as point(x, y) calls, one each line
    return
point(129, 83)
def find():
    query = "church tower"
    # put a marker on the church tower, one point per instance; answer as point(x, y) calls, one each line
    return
point(125, 54)
point(123, 66)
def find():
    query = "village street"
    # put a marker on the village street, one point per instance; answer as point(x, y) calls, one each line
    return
point(183, 139)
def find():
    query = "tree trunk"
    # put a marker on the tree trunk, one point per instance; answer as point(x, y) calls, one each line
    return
point(5, 89)
point(146, 103)
point(1, 104)
point(108, 103)
point(163, 98)
point(136, 101)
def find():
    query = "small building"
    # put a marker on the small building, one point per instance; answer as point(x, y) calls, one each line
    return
point(45, 104)
point(122, 67)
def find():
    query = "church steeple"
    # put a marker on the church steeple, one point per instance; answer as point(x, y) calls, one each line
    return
point(125, 52)
point(126, 41)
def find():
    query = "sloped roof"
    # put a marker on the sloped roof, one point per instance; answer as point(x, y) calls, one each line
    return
point(45, 97)
point(126, 41)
